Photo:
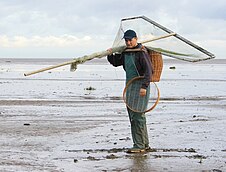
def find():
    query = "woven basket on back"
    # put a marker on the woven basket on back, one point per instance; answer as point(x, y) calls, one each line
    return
point(157, 65)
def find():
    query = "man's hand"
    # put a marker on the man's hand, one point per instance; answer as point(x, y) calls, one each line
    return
point(109, 50)
point(143, 92)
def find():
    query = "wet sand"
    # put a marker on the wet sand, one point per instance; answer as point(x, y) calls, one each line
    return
point(50, 122)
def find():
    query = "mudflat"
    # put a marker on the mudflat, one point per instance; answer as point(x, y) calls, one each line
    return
point(52, 122)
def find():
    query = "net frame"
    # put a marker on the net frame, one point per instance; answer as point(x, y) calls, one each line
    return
point(176, 46)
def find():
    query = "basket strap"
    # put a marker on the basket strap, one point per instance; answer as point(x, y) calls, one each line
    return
point(133, 50)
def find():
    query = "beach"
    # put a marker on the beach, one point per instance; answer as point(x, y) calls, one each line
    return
point(52, 121)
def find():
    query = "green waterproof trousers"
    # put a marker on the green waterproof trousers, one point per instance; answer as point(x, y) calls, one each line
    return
point(137, 120)
point(138, 129)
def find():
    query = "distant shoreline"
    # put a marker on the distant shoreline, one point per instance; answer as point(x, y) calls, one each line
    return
point(95, 61)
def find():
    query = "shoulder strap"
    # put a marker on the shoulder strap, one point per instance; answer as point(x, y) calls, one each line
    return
point(143, 48)
point(133, 50)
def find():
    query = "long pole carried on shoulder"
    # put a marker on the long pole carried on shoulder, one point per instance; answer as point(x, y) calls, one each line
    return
point(101, 54)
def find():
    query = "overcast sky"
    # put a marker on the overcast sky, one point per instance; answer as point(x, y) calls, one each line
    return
point(72, 28)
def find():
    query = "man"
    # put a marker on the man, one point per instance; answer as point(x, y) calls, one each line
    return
point(136, 62)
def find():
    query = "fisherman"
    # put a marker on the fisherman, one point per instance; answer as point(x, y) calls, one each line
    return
point(136, 62)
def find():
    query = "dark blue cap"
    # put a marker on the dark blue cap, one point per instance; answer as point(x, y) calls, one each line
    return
point(129, 34)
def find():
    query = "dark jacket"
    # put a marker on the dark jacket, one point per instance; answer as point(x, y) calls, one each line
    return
point(142, 62)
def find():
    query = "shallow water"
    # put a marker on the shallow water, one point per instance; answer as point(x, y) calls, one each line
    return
point(50, 122)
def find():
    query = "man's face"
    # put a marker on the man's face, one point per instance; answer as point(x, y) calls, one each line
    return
point(130, 43)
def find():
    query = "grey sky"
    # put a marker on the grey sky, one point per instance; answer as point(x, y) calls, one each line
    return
point(69, 28)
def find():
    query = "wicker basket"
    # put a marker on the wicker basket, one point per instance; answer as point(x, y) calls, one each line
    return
point(157, 65)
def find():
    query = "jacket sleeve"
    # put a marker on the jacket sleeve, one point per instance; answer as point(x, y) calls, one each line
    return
point(115, 59)
point(147, 67)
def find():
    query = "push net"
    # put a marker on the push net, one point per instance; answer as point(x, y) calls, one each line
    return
point(174, 46)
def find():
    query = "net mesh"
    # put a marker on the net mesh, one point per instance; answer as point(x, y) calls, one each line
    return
point(174, 46)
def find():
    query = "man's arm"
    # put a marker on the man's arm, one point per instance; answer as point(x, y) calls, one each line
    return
point(115, 59)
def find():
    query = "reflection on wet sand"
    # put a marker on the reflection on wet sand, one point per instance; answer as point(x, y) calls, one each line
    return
point(139, 163)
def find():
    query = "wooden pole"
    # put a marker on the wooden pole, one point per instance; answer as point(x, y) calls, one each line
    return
point(79, 60)
point(94, 55)
point(158, 38)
